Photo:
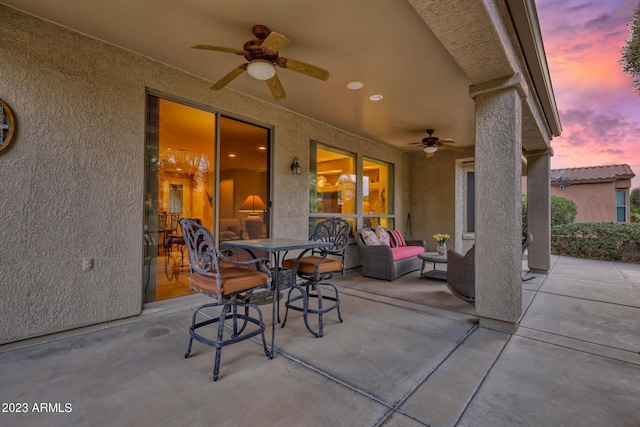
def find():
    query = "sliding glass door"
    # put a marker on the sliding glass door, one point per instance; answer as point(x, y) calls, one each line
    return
point(203, 166)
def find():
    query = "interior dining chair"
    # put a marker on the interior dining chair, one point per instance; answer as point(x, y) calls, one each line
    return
point(230, 284)
point(316, 267)
point(173, 238)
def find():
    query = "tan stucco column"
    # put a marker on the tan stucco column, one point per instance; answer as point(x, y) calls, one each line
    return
point(539, 211)
point(498, 259)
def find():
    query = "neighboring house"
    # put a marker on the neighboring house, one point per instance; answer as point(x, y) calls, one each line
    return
point(97, 86)
point(601, 193)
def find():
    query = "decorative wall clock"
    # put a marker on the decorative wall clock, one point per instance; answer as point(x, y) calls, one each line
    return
point(7, 125)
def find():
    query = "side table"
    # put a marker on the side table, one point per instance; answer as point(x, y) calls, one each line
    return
point(435, 258)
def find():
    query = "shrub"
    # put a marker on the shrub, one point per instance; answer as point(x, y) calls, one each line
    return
point(597, 240)
point(563, 211)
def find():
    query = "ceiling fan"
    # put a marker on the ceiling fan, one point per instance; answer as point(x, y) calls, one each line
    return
point(431, 144)
point(261, 54)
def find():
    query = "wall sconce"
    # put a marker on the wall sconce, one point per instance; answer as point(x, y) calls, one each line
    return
point(296, 169)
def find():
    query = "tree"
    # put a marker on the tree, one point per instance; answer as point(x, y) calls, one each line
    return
point(563, 211)
point(635, 198)
point(631, 51)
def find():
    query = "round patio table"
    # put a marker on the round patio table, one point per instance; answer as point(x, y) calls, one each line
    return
point(435, 258)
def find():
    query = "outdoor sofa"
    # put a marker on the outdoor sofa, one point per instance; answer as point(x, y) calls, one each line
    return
point(388, 262)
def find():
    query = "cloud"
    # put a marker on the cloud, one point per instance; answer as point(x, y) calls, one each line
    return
point(598, 106)
point(601, 22)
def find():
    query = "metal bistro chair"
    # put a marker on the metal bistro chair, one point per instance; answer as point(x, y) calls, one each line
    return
point(230, 284)
point(316, 269)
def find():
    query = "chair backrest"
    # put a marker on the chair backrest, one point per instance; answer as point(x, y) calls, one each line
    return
point(334, 231)
point(173, 222)
point(527, 238)
point(461, 274)
point(162, 221)
point(203, 253)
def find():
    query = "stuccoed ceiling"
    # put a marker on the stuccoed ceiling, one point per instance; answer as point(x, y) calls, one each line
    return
point(383, 43)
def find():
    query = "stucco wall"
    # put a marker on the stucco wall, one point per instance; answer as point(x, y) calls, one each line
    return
point(594, 202)
point(433, 207)
point(72, 182)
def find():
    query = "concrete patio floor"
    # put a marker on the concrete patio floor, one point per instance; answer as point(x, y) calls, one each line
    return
point(408, 354)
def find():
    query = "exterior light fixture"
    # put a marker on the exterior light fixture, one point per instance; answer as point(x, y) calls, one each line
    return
point(261, 69)
point(430, 150)
point(296, 169)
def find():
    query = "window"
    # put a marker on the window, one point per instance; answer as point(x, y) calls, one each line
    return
point(244, 181)
point(470, 213)
point(465, 215)
point(377, 193)
point(332, 185)
point(336, 189)
point(621, 206)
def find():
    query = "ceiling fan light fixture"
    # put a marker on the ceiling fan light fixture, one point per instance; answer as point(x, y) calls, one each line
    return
point(430, 150)
point(260, 69)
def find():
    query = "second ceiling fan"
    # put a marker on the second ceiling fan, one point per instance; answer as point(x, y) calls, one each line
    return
point(431, 144)
point(262, 57)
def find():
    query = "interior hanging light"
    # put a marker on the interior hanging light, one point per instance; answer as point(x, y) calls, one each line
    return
point(430, 149)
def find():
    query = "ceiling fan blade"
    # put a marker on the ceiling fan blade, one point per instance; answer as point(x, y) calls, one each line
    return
point(301, 67)
point(217, 48)
point(275, 41)
point(447, 141)
point(276, 88)
point(229, 77)
point(451, 148)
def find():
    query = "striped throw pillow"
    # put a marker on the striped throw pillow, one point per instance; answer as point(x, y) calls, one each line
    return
point(396, 239)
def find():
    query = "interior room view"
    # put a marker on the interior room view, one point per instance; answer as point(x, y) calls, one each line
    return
point(181, 182)
point(182, 157)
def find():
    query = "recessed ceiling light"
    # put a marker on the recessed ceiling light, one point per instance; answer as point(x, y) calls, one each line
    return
point(355, 85)
point(232, 155)
point(375, 97)
point(262, 147)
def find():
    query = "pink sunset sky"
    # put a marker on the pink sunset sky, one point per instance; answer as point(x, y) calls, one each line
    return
point(599, 108)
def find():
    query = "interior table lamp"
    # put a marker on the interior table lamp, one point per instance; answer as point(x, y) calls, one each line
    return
point(253, 204)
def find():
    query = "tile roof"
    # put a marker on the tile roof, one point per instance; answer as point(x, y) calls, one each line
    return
point(591, 174)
